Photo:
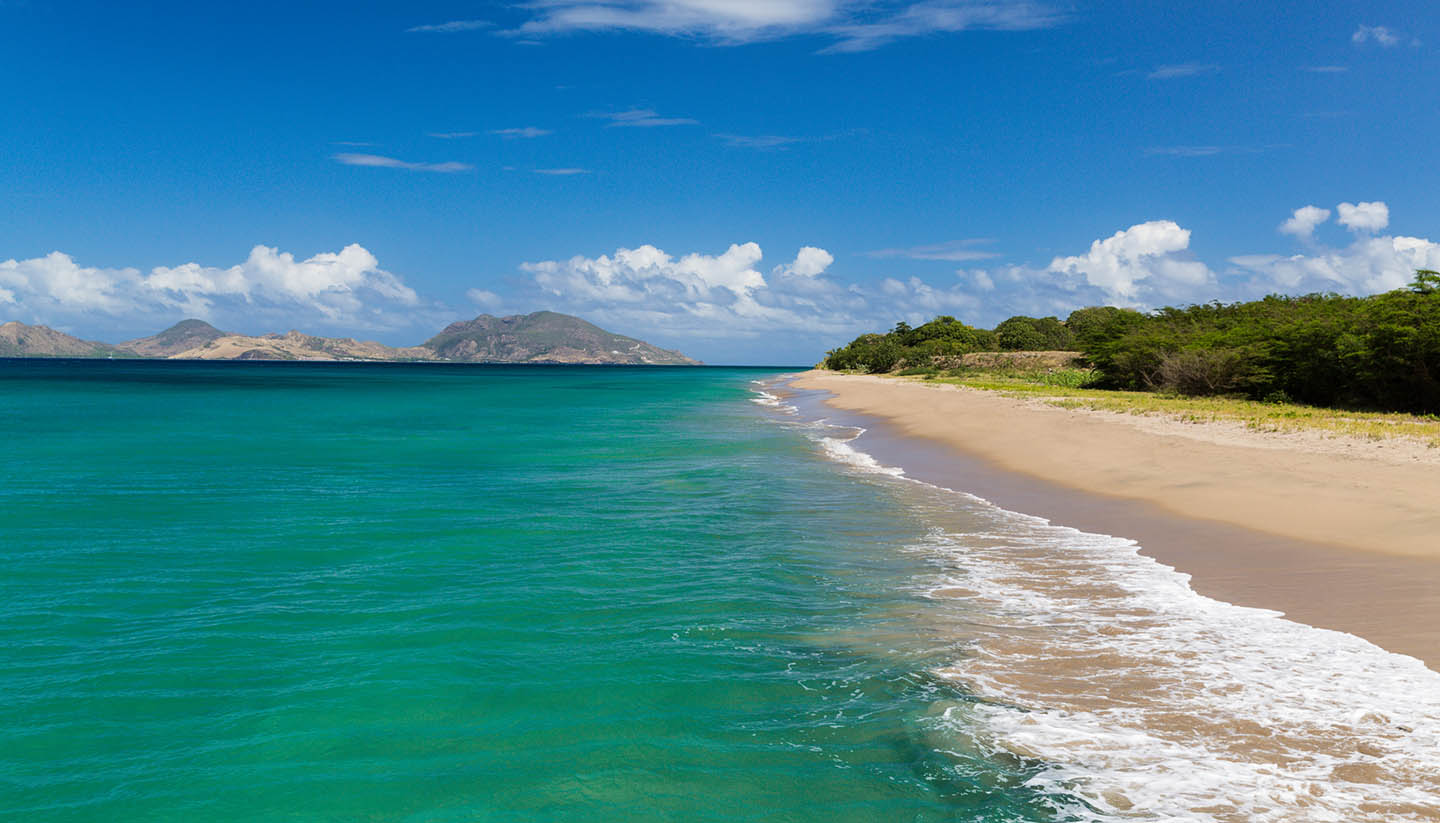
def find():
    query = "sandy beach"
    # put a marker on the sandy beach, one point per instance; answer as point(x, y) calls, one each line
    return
point(1333, 532)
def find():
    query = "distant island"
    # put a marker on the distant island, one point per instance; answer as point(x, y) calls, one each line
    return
point(540, 337)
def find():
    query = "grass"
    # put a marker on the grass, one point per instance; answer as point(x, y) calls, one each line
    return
point(1066, 388)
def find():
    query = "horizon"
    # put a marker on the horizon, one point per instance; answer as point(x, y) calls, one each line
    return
point(694, 175)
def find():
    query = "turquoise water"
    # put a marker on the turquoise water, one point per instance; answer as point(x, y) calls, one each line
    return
point(382, 592)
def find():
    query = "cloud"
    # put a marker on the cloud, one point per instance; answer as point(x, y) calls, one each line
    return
point(939, 16)
point(345, 288)
point(453, 26)
point(809, 262)
point(566, 172)
point(1364, 217)
point(852, 25)
point(954, 251)
point(1139, 265)
point(1186, 151)
point(488, 300)
point(1182, 70)
point(452, 135)
point(378, 161)
point(761, 142)
point(1325, 69)
point(725, 302)
point(641, 118)
point(1367, 266)
point(1380, 35)
point(526, 132)
point(1302, 223)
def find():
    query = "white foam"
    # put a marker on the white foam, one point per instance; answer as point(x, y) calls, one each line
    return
point(1231, 713)
point(1146, 699)
point(770, 400)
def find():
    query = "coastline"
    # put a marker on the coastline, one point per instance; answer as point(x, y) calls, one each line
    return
point(1330, 538)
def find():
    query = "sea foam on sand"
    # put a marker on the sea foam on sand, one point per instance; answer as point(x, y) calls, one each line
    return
point(1142, 698)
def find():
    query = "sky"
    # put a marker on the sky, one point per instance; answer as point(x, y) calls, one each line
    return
point(749, 181)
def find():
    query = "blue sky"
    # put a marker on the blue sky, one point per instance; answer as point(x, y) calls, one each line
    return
point(747, 181)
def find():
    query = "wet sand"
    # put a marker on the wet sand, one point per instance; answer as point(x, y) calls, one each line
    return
point(1331, 540)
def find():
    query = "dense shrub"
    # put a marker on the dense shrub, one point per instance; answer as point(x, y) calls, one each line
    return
point(1379, 352)
point(1022, 333)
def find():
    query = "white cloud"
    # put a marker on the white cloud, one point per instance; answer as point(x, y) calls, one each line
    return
point(854, 25)
point(1139, 265)
point(1182, 70)
point(1325, 69)
point(526, 132)
point(565, 172)
point(1364, 217)
point(1367, 266)
point(1376, 34)
point(453, 135)
point(762, 142)
point(453, 26)
point(641, 118)
point(943, 16)
point(810, 262)
point(1302, 223)
point(488, 300)
point(345, 288)
point(378, 161)
point(956, 251)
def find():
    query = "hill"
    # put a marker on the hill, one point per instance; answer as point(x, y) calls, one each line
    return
point(545, 337)
point(542, 337)
point(183, 336)
point(296, 345)
point(20, 340)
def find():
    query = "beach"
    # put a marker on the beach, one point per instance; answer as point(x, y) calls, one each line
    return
point(1332, 532)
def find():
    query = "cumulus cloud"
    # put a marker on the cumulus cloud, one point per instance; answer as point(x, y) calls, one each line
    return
point(1303, 222)
point(1364, 217)
point(716, 296)
point(345, 288)
point(1139, 265)
point(1367, 266)
point(810, 262)
point(378, 161)
point(852, 25)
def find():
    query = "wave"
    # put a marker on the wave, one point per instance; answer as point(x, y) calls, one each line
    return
point(1144, 699)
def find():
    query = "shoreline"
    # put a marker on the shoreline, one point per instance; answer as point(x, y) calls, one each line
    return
point(1239, 518)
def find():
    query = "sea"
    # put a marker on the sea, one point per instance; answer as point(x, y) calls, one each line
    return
point(441, 592)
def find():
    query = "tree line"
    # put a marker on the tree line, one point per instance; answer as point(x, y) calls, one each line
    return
point(1377, 352)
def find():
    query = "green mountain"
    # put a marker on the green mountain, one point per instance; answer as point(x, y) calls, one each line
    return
point(181, 337)
point(545, 337)
point(20, 340)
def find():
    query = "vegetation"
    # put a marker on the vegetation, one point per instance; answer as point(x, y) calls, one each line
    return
point(1380, 352)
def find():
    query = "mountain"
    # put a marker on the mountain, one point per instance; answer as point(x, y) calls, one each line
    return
point(545, 337)
point(542, 337)
point(20, 340)
point(183, 336)
point(297, 346)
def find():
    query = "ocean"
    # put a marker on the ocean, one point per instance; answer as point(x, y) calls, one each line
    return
point(429, 592)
